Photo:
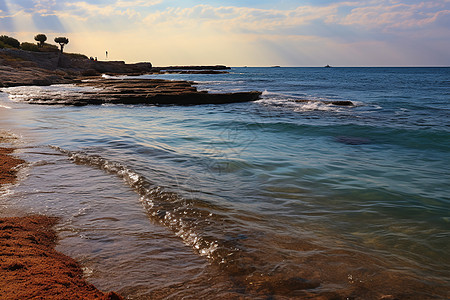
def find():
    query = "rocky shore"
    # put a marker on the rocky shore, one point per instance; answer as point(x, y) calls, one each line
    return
point(30, 267)
point(22, 68)
point(136, 91)
point(18, 68)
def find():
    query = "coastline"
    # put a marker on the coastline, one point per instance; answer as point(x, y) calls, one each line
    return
point(30, 265)
point(24, 68)
point(357, 286)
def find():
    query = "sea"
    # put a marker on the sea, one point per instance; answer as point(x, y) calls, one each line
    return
point(287, 197)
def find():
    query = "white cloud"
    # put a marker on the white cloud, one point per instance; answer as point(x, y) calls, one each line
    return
point(245, 35)
point(372, 15)
point(238, 19)
point(396, 16)
point(386, 15)
point(92, 10)
point(136, 3)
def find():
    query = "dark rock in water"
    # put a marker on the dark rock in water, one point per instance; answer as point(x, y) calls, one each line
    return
point(191, 72)
point(349, 140)
point(195, 98)
point(342, 103)
point(216, 67)
point(142, 91)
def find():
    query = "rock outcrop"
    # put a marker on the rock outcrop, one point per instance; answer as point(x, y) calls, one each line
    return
point(139, 91)
point(210, 68)
point(18, 67)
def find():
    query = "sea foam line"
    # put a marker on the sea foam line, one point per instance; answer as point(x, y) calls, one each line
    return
point(181, 216)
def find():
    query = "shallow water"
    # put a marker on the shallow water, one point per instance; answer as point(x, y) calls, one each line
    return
point(276, 197)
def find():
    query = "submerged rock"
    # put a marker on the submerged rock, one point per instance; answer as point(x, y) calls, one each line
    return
point(351, 140)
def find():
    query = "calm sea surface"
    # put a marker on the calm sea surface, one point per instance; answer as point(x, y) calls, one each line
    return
point(272, 198)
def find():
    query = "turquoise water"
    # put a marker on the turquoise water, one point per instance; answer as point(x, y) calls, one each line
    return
point(277, 197)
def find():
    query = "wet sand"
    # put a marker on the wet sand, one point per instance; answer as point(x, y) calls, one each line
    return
point(30, 267)
point(7, 165)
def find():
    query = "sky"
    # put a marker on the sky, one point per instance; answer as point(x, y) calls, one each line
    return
point(241, 33)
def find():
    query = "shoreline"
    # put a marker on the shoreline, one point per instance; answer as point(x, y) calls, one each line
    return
point(30, 265)
point(24, 68)
point(359, 286)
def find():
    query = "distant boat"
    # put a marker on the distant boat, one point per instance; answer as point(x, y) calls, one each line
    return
point(327, 66)
point(275, 66)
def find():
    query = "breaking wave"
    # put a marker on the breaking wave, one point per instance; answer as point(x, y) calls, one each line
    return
point(190, 219)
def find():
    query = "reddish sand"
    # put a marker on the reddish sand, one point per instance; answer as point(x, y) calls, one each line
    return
point(30, 268)
point(7, 163)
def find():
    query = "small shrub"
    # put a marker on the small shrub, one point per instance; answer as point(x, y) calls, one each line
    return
point(2, 45)
point(29, 47)
point(49, 48)
point(77, 55)
point(10, 41)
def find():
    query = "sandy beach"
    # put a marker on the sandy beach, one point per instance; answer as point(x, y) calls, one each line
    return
point(30, 266)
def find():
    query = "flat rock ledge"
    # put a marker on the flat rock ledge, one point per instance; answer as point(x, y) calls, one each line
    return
point(140, 91)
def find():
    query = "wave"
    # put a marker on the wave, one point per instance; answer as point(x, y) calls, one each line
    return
point(257, 262)
point(43, 94)
point(226, 238)
point(189, 219)
point(304, 104)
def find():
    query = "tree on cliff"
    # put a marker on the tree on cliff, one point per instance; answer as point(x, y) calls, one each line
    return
point(62, 41)
point(41, 38)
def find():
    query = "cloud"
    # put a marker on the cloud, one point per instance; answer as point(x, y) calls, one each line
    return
point(282, 30)
point(251, 19)
point(371, 15)
point(92, 10)
point(396, 16)
point(386, 15)
point(79, 8)
point(124, 3)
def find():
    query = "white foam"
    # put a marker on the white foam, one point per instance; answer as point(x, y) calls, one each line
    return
point(290, 102)
point(5, 106)
point(6, 191)
point(168, 208)
point(30, 93)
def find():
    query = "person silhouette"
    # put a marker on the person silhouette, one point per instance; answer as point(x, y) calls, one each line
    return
point(106, 53)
